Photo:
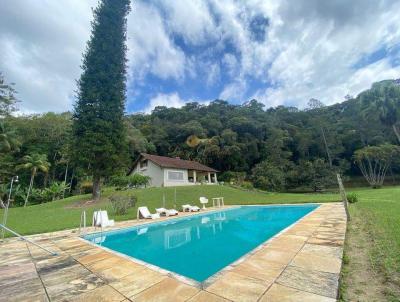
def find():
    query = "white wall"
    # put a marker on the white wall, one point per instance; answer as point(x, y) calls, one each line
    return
point(159, 176)
point(169, 183)
point(155, 172)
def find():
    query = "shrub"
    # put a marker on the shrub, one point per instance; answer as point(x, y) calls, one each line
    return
point(137, 180)
point(36, 196)
point(86, 187)
point(131, 181)
point(352, 197)
point(55, 191)
point(119, 181)
point(121, 203)
point(247, 185)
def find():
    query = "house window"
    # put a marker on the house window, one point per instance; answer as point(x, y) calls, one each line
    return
point(175, 175)
point(143, 164)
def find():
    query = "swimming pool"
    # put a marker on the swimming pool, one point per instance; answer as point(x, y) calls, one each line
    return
point(199, 246)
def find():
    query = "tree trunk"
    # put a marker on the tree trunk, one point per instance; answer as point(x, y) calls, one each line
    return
point(30, 188)
point(396, 131)
point(65, 180)
point(96, 187)
point(46, 179)
point(70, 182)
point(326, 148)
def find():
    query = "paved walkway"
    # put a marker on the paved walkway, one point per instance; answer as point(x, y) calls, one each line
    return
point(301, 264)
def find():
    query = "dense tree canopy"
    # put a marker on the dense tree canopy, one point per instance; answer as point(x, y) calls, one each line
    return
point(277, 148)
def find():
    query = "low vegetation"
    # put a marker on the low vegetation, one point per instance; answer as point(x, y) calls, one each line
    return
point(371, 270)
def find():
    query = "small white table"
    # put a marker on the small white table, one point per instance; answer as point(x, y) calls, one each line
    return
point(219, 201)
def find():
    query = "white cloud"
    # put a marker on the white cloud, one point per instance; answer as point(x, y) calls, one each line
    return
point(318, 44)
point(41, 46)
point(214, 74)
point(190, 19)
point(311, 48)
point(169, 100)
point(150, 48)
point(234, 91)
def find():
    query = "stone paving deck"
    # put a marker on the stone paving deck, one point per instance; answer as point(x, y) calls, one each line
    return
point(300, 264)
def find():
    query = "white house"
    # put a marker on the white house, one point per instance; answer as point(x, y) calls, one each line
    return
point(168, 171)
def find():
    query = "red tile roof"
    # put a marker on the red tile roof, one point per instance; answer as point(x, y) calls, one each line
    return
point(170, 162)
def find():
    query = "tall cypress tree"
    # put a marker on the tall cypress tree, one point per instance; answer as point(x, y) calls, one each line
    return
point(100, 139)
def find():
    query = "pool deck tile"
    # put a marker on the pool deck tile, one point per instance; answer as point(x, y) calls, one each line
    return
point(236, 287)
point(167, 290)
point(203, 296)
point(302, 263)
point(289, 242)
point(101, 294)
point(261, 269)
point(26, 290)
point(313, 281)
point(280, 293)
point(279, 255)
point(135, 283)
point(313, 262)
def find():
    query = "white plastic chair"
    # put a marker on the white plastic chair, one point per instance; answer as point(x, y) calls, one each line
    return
point(143, 212)
point(100, 219)
point(203, 201)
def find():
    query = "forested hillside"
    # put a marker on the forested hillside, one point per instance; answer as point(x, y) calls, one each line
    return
point(294, 147)
point(271, 148)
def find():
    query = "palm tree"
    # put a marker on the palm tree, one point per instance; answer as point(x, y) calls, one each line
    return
point(383, 100)
point(34, 163)
point(8, 139)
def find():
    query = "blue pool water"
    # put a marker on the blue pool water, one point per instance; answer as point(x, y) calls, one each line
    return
point(200, 245)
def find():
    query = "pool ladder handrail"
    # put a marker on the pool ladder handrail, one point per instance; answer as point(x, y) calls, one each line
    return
point(82, 224)
point(27, 240)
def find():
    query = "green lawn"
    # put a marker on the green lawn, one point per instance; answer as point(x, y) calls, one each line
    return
point(64, 214)
point(372, 268)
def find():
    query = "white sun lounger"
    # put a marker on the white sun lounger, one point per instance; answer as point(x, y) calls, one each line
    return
point(166, 212)
point(100, 219)
point(143, 212)
point(190, 208)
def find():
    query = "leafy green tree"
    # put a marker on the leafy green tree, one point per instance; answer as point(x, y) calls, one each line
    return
point(3, 195)
point(50, 134)
point(34, 163)
point(383, 101)
point(316, 109)
point(374, 161)
point(316, 174)
point(9, 140)
point(137, 142)
point(267, 176)
point(99, 136)
point(55, 190)
point(7, 97)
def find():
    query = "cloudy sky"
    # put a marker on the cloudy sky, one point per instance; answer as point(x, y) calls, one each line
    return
point(279, 52)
